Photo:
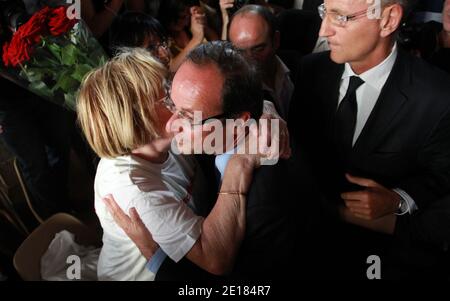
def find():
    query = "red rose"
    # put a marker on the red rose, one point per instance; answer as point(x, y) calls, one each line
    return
point(28, 35)
point(36, 27)
point(59, 23)
point(23, 43)
point(5, 56)
point(17, 52)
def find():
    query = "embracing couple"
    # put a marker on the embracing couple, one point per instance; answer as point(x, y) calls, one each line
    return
point(191, 216)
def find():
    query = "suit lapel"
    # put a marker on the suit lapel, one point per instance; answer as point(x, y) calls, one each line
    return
point(390, 102)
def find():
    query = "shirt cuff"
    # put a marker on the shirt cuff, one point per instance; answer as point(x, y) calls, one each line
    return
point(155, 262)
point(410, 205)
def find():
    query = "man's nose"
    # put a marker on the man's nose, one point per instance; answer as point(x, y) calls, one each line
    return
point(326, 29)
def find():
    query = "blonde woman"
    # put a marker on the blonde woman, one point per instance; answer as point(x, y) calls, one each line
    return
point(122, 114)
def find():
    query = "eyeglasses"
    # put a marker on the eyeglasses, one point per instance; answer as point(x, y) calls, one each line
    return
point(155, 48)
point(183, 114)
point(338, 19)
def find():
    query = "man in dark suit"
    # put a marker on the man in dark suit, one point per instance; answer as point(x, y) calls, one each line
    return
point(377, 123)
point(217, 81)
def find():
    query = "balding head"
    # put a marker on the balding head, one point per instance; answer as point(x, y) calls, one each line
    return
point(257, 10)
point(252, 30)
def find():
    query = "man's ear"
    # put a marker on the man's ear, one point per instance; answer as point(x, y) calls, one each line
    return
point(391, 19)
point(276, 40)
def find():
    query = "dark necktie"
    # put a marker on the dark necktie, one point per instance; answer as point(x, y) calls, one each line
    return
point(345, 119)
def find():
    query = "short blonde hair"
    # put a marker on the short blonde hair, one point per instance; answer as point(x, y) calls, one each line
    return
point(116, 103)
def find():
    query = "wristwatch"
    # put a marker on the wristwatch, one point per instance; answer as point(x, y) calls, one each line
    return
point(402, 207)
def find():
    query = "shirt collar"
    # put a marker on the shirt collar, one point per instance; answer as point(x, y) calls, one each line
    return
point(376, 76)
point(281, 67)
point(221, 160)
point(282, 71)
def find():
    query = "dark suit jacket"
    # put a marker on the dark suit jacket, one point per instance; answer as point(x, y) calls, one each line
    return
point(282, 208)
point(282, 213)
point(405, 142)
point(292, 60)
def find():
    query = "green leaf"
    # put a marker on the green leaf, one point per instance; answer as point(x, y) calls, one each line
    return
point(69, 55)
point(43, 68)
point(55, 50)
point(35, 75)
point(40, 88)
point(103, 60)
point(80, 71)
point(70, 101)
point(46, 62)
point(67, 83)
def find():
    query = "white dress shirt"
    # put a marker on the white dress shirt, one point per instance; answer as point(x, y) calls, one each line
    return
point(366, 97)
point(298, 4)
point(367, 94)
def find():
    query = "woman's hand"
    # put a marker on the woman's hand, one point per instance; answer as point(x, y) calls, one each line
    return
point(238, 174)
point(265, 141)
point(281, 134)
point(133, 226)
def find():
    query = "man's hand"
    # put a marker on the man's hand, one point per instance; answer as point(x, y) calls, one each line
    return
point(374, 202)
point(198, 23)
point(385, 224)
point(133, 227)
point(224, 5)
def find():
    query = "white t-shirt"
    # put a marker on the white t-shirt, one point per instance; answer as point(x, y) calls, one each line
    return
point(161, 193)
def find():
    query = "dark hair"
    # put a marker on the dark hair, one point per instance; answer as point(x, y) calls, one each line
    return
point(242, 88)
point(169, 11)
point(132, 28)
point(261, 11)
point(13, 14)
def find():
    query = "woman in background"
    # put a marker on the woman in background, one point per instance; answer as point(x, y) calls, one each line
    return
point(135, 29)
point(186, 27)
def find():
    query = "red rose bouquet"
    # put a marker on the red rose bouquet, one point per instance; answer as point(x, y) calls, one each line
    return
point(51, 54)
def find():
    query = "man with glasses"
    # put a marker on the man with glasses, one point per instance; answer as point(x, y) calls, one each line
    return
point(377, 123)
point(218, 83)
